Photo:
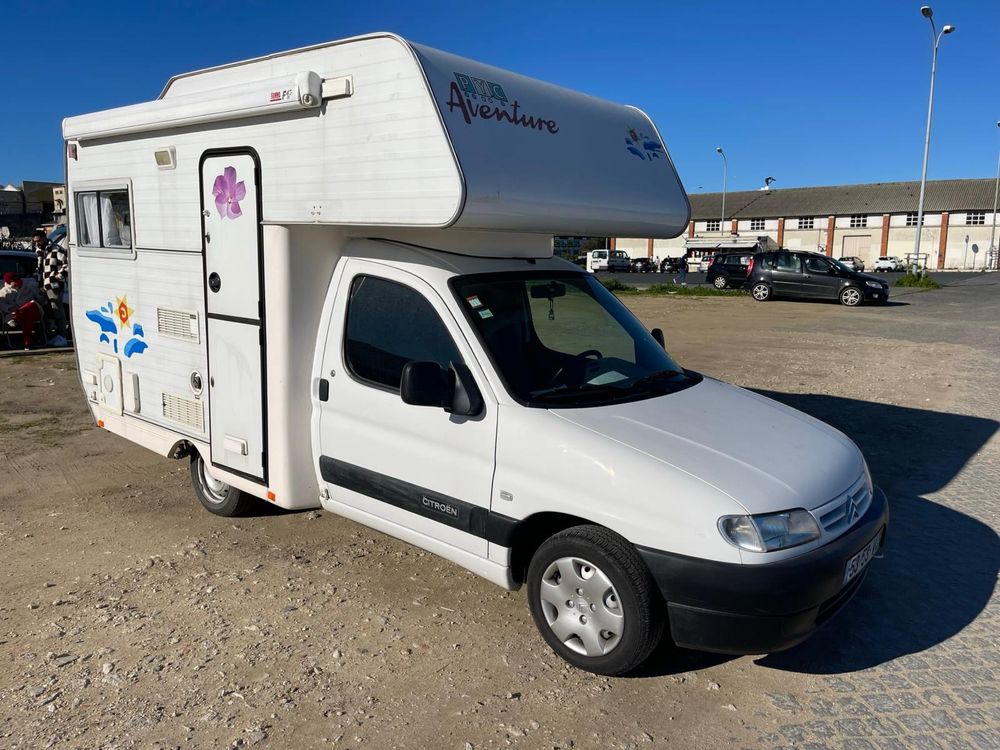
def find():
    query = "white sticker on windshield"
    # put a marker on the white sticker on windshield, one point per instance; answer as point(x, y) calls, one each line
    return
point(473, 302)
point(485, 313)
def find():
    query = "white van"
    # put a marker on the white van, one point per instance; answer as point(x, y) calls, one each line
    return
point(325, 277)
point(608, 260)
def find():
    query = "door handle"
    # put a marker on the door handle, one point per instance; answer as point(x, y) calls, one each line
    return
point(214, 282)
point(324, 389)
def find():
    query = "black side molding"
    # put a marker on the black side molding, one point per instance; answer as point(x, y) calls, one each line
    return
point(468, 517)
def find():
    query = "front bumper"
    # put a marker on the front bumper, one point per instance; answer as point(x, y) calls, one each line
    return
point(759, 609)
point(876, 295)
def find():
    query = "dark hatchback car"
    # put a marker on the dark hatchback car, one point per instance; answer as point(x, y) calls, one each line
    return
point(794, 274)
point(728, 270)
point(642, 265)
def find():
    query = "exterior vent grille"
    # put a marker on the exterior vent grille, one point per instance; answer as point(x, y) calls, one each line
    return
point(177, 324)
point(185, 411)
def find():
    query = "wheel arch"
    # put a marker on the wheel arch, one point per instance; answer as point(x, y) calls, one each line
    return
point(529, 534)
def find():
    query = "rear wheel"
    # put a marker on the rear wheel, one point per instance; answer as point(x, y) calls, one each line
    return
point(594, 601)
point(851, 296)
point(761, 291)
point(218, 497)
point(719, 282)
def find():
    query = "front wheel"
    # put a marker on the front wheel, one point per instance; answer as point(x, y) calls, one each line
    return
point(594, 601)
point(719, 282)
point(761, 291)
point(851, 297)
point(217, 497)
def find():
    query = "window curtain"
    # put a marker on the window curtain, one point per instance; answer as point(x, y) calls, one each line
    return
point(87, 221)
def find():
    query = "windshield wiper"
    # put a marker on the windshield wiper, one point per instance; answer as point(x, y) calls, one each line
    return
point(661, 375)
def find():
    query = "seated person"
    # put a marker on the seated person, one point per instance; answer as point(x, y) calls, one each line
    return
point(21, 305)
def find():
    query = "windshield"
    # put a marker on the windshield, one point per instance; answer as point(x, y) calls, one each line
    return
point(560, 339)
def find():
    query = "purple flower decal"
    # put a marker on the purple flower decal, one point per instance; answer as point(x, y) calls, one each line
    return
point(228, 194)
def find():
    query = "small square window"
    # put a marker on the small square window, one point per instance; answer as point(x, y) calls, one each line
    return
point(756, 225)
point(104, 220)
point(975, 218)
point(858, 221)
point(911, 219)
point(807, 222)
point(713, 225)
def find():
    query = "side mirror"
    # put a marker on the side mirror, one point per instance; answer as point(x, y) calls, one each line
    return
point(425, 384)
point(429, 384)
point(658, 335)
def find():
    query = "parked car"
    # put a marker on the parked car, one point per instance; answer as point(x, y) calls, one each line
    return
point(728, 270)
point(853, 262)
point(888, 263)
point(670, 265)
point(643, 265)
point(608, 260)
point(21, 262)
point(804, 274)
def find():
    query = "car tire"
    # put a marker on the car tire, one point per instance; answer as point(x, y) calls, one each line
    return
point(719, 282)
point(594, 601)
point(218, 497)
point(761, 291)
point(851, 296)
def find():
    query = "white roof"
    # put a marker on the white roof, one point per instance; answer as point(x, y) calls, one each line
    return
point(378, 131)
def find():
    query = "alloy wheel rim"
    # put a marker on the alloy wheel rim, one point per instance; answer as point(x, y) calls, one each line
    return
point(581, 606)
point(760, 292)
point(851, 297)
point(720, 282)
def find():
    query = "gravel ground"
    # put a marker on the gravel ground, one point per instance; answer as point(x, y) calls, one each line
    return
point(129, 617)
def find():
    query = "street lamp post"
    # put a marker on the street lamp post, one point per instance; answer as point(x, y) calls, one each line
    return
point(993, 232)
point(936, 40)
point(725, 177)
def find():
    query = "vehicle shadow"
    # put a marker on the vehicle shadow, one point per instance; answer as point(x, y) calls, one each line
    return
point(940, 565)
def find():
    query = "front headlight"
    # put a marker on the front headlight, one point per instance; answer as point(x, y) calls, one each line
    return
point(770, 531)
point(869, 485)
point(876, 284)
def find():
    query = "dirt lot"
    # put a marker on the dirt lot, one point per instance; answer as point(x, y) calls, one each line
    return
point(129, 617)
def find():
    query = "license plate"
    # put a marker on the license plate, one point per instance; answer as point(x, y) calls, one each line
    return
point(857, 563)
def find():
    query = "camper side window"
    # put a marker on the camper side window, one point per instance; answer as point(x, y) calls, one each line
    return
point(103, 219)
point(389, 325)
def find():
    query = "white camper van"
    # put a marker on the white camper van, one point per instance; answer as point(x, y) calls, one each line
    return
point(325, 277)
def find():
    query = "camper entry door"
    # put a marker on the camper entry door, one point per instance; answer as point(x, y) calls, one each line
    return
point(230, 185)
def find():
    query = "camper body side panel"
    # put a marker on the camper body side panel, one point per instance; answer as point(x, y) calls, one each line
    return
point(131, 310)
point(379, 157)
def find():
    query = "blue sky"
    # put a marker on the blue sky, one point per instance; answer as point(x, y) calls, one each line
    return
point(811, 93)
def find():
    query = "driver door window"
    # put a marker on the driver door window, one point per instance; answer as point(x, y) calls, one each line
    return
point(818, 265)
point(389, 325)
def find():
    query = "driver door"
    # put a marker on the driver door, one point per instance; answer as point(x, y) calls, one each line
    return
point(819, 278)
point(418, 467)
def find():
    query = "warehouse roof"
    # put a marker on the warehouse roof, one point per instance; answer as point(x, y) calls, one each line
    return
point(841, 200)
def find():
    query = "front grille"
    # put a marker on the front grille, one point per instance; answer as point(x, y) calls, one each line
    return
point(841, 514)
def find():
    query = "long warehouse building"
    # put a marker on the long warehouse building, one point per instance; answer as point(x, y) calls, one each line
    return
point(865, 221)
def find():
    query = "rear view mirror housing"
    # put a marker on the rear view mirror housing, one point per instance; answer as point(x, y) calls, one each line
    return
point(548, 291)
point(430, 384)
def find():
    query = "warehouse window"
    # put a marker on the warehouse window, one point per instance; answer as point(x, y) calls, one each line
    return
point(976, 218)
point(756, 225)
point(911, 219)
point(859, 220)
point(713, 225)
point(806, 222)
